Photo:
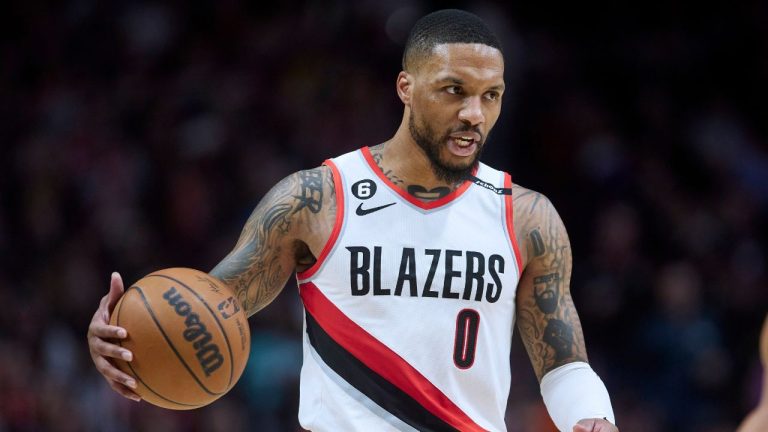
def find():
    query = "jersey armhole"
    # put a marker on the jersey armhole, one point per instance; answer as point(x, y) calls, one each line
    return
point(339, 189)
point(509, 214)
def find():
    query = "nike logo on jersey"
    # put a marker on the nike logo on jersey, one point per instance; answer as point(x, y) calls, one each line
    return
point(360, 211)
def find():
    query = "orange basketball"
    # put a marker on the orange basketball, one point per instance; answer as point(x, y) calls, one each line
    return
point(188, 334)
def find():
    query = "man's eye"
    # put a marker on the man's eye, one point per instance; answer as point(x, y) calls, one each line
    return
point(453, 90)
point(492, 96)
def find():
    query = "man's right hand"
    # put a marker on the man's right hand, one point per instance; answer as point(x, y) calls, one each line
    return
point(99, 335)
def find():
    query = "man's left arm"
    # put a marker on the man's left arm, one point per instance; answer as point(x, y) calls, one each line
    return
point(549, 324)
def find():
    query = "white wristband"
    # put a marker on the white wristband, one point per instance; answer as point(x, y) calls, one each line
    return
point(574, 392)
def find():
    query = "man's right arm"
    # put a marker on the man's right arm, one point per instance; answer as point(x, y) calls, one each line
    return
point(284, 230)
point(284, 233)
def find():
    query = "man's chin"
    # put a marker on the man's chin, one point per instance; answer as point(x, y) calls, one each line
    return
point(452, 172)
point(453, 162)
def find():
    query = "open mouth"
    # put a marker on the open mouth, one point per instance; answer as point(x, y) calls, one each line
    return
point(463, 144)
point(462, 147)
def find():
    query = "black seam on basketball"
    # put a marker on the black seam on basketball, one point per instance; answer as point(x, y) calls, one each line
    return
point(135, 374)
point(213, 314)
point(170, 344)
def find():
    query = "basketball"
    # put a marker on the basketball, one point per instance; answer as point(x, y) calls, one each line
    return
point(188, 334)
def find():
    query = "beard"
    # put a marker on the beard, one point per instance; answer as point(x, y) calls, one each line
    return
point(428, 140)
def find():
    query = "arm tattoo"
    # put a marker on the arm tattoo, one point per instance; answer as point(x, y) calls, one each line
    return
point(547, 318)
point(537, 242)
point(276, 218)
point(546, 292)
point(559, 336)
point(311, 191)
point(263, 258)
point(331, 188)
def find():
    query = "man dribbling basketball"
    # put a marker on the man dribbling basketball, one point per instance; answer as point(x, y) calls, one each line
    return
point(414, 261)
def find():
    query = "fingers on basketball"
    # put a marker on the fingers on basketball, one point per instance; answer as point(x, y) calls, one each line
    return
point(188, 334)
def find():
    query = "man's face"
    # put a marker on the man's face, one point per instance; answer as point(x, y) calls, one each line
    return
point(455, 101)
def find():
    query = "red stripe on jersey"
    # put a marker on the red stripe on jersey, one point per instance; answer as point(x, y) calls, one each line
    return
point(382, 360)
point(510, 217)
point(411, 199)
point(338, 187)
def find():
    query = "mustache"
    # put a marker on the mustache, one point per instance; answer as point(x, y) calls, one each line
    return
point(468, 128)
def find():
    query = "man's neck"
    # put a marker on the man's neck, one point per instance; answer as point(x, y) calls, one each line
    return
point(407, 166)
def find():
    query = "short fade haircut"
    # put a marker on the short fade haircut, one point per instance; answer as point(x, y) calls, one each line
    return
point(443, 27)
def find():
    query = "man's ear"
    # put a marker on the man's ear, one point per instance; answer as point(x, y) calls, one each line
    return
point(404, 87)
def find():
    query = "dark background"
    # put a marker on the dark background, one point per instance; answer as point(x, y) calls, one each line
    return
point(139, 135)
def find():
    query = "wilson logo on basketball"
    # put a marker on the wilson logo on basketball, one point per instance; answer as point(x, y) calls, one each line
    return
point(208, 354)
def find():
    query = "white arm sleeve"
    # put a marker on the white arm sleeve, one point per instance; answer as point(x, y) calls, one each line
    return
point(574, 392)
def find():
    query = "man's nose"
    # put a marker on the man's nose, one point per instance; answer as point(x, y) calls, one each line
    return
point(472, 111)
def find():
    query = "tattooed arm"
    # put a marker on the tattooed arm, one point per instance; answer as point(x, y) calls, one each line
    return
point(546, 317)
point(283, 234)
point(575, 397)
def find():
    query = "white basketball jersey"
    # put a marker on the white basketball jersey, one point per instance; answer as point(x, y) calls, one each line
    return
point(409, 309)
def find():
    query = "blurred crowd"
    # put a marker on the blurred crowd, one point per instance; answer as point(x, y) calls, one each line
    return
point(139, 135)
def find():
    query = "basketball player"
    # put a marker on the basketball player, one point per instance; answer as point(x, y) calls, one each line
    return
point(757, 420)
point(414, 261)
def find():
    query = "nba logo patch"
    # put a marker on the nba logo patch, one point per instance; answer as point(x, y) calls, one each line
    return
point(228, 307)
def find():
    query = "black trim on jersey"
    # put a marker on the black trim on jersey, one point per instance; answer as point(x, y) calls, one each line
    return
point(490, 187)
point(372, 385)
